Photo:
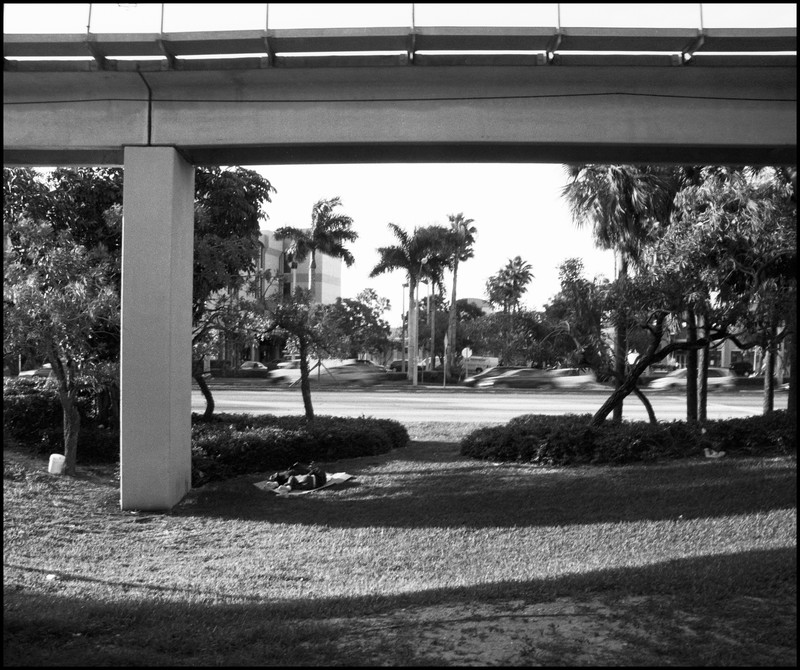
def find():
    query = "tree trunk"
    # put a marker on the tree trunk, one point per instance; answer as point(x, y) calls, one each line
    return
point(305, 382)
point(691, 367)
point(452, 326)
point(432, 318)
point(769, 379)
point(791, 346)
point(620, 344)
point(209, 398)
point(651, 415)
point(413, 332)
point(702, 386)
point(72, 427)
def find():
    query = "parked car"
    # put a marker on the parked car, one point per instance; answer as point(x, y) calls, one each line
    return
point(496, 371)
point(718, 378)
point(397, 365)
point(476, 364)
point(45, 370)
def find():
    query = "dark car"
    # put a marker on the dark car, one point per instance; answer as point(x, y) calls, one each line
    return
point(496, 371)
point(361, 373)
point(397, 365)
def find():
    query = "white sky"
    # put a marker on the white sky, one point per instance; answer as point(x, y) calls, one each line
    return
point(517, 208)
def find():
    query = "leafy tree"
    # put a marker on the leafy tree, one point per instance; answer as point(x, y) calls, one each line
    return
point(329, 232)
point(576, 317)
point(738, 227)
point(731, 248)
point(623, 205)
point(355, 327)
point(461, 250)
point(410, 255)
point(228, 215)
point(511, 337)
point(57, 298)
point(300, 319)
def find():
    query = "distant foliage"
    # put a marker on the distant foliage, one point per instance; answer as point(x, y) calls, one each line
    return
point(570, 440)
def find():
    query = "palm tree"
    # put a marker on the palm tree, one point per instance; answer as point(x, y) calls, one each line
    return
point(507, 287)
point(329, 232)
point(622, 204)
point(462, 239)
point(411, 254)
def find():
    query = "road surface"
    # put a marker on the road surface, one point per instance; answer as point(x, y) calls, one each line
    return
point(468, 405)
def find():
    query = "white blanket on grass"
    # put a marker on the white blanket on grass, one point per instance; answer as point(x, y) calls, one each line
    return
point(331, 479)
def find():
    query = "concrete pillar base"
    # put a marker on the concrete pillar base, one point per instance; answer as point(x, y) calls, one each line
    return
point(155, 367)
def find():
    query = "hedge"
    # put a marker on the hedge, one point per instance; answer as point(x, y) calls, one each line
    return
point(569, 439)
point(226, 446)
point(235, 444)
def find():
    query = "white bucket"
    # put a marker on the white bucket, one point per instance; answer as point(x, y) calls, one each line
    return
point(56, 466)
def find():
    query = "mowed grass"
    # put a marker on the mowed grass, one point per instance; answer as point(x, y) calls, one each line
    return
point(679, 563)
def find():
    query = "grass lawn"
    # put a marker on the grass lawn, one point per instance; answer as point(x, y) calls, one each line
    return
point(424, 558)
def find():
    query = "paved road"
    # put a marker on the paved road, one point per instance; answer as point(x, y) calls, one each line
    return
point(466, 405)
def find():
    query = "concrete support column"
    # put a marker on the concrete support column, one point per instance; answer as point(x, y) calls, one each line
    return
point(155, 369)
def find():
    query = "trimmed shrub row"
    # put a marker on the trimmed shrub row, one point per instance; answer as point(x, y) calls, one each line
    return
point(569, 440)
point(235, 444)
point(227, 446)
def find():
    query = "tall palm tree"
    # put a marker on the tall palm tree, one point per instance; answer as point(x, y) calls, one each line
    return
point(410, 254)
point(462, 240)
point(623, 204)
point(507, 287)
point(329, 232)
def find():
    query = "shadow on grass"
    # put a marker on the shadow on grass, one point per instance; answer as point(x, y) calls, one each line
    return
point(432, 486)
point(192, 627)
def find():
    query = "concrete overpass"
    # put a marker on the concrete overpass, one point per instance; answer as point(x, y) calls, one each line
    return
point(358, 95)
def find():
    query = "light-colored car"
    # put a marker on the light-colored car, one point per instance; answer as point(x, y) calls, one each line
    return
point(572, 378)
point(253, 369)
point(45, 370)
point(253, 365)
point(287, 371)
point(718, 379)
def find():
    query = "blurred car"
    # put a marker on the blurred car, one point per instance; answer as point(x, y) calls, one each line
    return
point(362, 373)
point(571, 378)
point(496, 371)
point(45, 371)
point(287, 371)
point(523, 378)
point(253, 369)
point(718, 378)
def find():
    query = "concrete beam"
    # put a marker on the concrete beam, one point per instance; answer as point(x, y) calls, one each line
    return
point(155, 366)
point(469, 113)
